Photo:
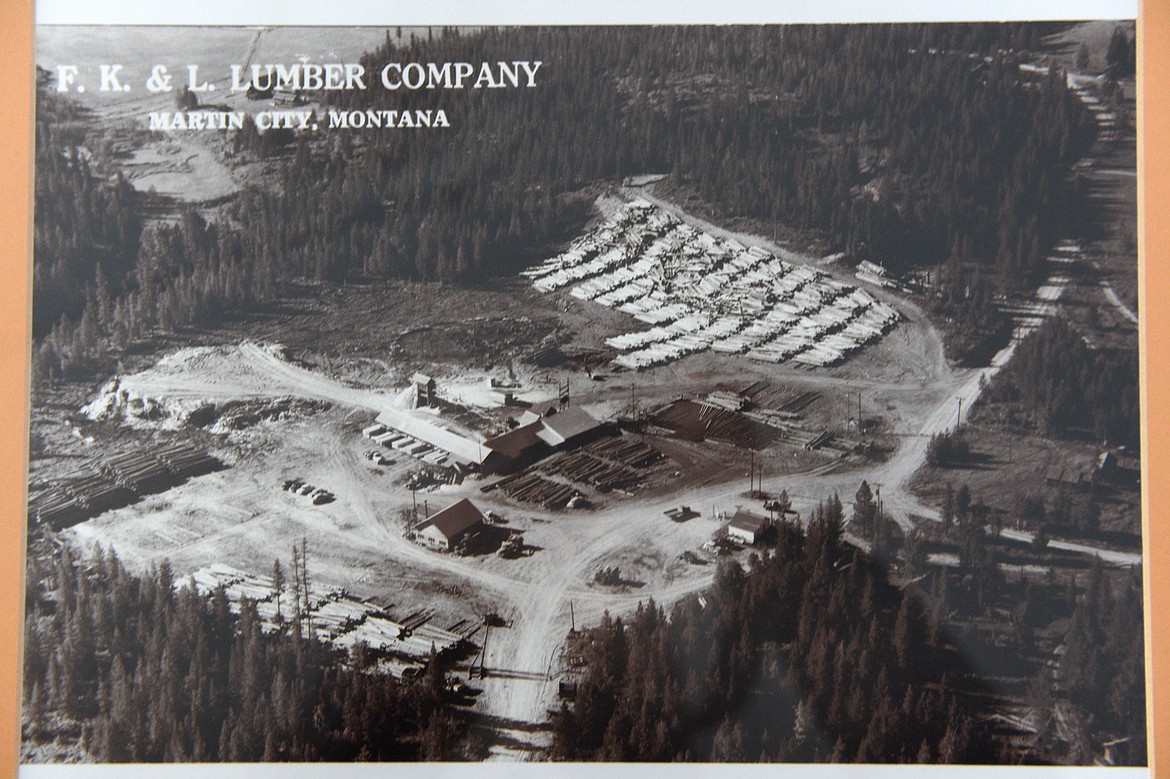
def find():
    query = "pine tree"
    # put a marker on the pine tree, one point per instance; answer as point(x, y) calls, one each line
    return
point(864, 509)
point(277, 587)
point(1119, 57)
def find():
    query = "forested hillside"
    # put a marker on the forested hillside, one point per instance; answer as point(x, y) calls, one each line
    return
point(812, 656)
point(821, 652)
point(130, 669)
point(902, 144)
point(1060, 386)
point(899, 143)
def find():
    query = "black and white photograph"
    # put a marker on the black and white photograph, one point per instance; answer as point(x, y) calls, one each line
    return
point(626, 393)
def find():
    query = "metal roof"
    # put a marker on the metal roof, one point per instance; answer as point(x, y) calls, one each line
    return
point(563, 425)
point(460, 447)
point(745, 520)
point(454, 520)
point(515, 443)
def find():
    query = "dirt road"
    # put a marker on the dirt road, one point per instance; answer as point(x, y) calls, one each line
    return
point(1108, 556)
point(536, 592)
point(361, 533)
point(1111, 296)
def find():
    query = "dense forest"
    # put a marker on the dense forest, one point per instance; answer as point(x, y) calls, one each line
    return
point(822, 652)
point(897, 142)
point(101, 281)
point(132, 669)
point(1102, 669)
point(1078, 635)
point(903, 144)
point(1058, 384)
point(811, 656)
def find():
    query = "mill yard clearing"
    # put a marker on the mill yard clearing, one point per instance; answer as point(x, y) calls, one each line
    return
point(306, 412)
point(357, 542)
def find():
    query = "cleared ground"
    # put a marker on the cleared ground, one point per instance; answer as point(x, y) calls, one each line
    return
point(242, 518)
point(351, 351)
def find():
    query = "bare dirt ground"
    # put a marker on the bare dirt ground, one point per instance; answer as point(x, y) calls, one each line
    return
point(353, 348)
point(241, 517)
point(235, 516)
point(183, 168)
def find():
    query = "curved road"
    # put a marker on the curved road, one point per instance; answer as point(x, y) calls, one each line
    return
point(539, 594)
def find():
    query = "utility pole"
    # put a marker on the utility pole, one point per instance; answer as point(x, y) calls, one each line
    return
point(572, 619)
point(305, 582)
point(483, 654)
point(959, 416)
point(860, 427)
